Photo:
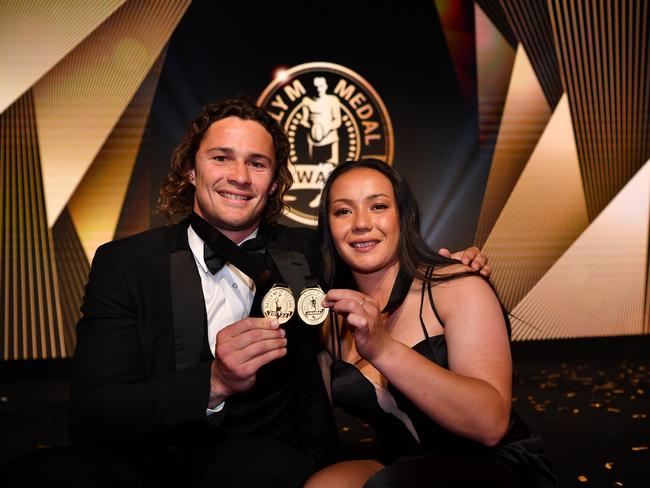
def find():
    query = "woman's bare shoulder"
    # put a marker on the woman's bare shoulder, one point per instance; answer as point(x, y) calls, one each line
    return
point(460, 282)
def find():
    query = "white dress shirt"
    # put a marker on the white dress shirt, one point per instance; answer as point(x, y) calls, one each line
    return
point(228, 294)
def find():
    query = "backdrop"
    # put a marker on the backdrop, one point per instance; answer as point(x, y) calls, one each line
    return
point(521, 126)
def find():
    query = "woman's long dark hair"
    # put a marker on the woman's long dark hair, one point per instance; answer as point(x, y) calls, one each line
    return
point(415, 256)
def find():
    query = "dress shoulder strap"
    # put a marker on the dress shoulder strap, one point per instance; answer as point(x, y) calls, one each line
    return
point(427, 284)
point(431, 302)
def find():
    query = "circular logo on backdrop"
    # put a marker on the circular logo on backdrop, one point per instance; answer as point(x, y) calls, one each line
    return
point(331, 115)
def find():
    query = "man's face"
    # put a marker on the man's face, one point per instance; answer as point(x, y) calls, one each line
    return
point(233, 176)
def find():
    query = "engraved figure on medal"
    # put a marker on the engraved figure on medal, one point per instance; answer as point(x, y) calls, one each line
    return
point(310, 308)
point(278, 303)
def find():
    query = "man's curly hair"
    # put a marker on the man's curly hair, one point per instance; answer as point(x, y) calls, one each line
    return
point(177, 193)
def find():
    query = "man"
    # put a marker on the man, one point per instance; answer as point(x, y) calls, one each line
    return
point(174, 383)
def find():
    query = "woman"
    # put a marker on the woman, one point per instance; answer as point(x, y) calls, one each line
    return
point(422, 350)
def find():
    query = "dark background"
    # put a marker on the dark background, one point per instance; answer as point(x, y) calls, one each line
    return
point(224, 49)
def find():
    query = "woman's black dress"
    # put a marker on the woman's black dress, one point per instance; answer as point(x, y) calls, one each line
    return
point(419, 452)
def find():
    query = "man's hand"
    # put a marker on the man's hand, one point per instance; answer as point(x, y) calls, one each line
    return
point(241, 350)
point(471, 257)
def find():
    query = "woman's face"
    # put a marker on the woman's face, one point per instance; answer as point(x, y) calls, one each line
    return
point(363, 220)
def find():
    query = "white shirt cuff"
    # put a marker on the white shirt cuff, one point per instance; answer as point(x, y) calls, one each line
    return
point(218, 408)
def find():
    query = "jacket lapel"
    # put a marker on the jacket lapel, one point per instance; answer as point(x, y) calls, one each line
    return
point(188, 304)
point(292, 265)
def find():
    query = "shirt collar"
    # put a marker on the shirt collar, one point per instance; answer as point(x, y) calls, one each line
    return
point(196, 246)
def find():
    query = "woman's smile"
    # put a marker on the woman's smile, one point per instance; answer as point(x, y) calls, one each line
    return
point(364, 221)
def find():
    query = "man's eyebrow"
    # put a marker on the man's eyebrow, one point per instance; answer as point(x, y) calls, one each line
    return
point(259, 155)
point(230, 150)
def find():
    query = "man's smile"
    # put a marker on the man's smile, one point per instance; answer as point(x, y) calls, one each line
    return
point(234, 196)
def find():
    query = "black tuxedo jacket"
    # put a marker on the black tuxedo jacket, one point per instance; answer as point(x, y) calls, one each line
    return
point(141, 375)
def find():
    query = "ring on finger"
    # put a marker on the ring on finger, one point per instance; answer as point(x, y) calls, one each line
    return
point(362, 301)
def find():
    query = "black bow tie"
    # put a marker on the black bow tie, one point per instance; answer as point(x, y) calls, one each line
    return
point(219, 250)
point(215, 261)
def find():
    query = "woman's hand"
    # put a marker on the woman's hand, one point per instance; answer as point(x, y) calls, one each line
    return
point(364, 319)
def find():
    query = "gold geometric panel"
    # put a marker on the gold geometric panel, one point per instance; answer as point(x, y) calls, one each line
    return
point(29, 299)
point(96, 203)
point(525, 115)
point(137, 212)
point(529, 19)
point(494, 11)
point(603, 49)
point(597, 287)
point(646, 307)
point(72, 266)
point(35, 35)
point(544, 214)
point(79, 102)
point(494, 61)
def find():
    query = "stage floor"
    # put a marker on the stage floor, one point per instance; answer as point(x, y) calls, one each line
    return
point(588, 398)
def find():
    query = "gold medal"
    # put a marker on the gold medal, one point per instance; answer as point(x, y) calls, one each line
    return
point(278, 303)
point(310, 306)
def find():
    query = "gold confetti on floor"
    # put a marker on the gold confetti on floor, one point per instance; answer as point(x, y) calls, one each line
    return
point(615, 399)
